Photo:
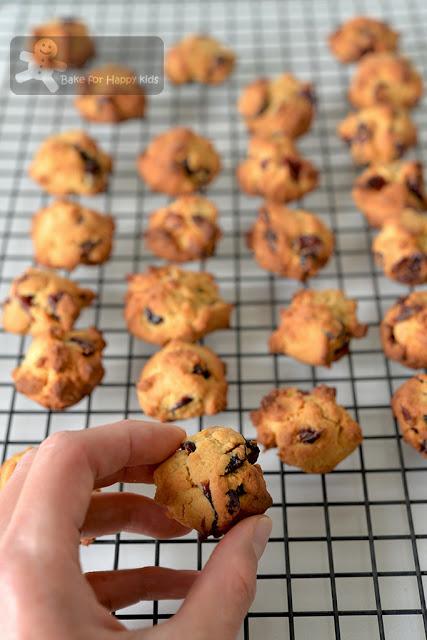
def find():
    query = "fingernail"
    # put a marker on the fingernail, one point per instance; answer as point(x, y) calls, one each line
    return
point(261, 534)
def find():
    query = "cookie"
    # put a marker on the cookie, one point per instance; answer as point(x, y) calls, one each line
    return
point(61, 367)
point(179, 162)
point(385, 78)
point(404, 329)
point(111, 93)
point(71, 163)
point(378, 134)
point(40, 299)
point(275, 170)
point(9, 466)
point(167, 303)
point(212, 482)
point(181, 381)
point(409, 404)
point(317, 327)
point(290, 242)
point(383, 191)
point(199, 58)
point(74, 46)
point(283, 106)
point(360, 36)
point(66, 234)
point(186, 229)
point(400, 248)
point(310, 429)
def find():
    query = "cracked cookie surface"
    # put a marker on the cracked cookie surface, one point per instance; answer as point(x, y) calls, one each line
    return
point(212, 482)
point(360, 36)
point(310, 429)
point(199, 58)
point(317, 327)
point(409, 404)
point(403, 331)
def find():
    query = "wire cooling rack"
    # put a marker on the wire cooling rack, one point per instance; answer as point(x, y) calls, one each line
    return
point(348, 554)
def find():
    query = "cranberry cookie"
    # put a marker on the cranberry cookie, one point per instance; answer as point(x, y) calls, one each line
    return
point(71, 163)
point(275, 170)
point(73, 44)
point(317, 327)
point(184, 230)
point(179, 162)
point(310, 429)
point(404, 331)
point(292, 243)
point(283, 106)
point(409, 404)
point(40, 299)
point(383, 191)
point(167, 303)
point(66, 234)
point(212, 482)
point(199, 58)
point(361, 35)
point(378, 134)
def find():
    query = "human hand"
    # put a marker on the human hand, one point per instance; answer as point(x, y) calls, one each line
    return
point(48, 504)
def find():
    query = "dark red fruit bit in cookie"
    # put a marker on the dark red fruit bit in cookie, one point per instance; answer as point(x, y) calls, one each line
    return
point(233, 504)
point(406, 415)
point(408, 269)
point(414, 185)
point(53, 300)
point(26, 301)
point(91, 165)
point(308, 436)
point(309, 94)
point(253, 451)
point(188, 446)
point(423, 446)
point(271, 238)
point(263, 107)
point(182, 403)
point(264, 163)
point(87, 347)
point(152, 317)
point(376, 183)
point(199, 370)
point(235, 463)
point(294, 167)
point(309, 245)
point(407, 312)
point(363, 133)
point(400, 149)
point(87, 247)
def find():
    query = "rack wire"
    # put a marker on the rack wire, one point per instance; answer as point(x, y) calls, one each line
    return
point(348, 554)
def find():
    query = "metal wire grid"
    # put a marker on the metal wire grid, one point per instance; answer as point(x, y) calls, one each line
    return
point(348, 553)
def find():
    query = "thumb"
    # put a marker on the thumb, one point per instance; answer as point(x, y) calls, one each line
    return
point(220, 598)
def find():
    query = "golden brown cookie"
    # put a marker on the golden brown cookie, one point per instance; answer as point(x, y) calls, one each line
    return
point(111, 93)
point(317, 327)
point(310, 429)
point(74, 46)
point(276, 170)
point(404, 331)
point(360, 36)
point(186, 229)
point(167, 303)
point(283, 106)
point(9, 466)
point(290, 242)
point(383, 191)
point(71, 163)
point(40, 299)
point(409, 405)
point(61, 367)
point(212, 482)
point(378, 134)
point(179, 162)
point(400, 248)
point(66, 234)
point(199, 58)
point(181, 381)
point(385, 78)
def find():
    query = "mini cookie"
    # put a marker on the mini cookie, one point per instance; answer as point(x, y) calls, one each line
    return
point(310, 429)
point(274, 169)
point(409, 404)
point(9, 466)
point(212, 482)
point(111, 94)
point(400, 248)
point(292, 243)
point(179, 162)
point(317, 327)
point(74, 46)
point(361, 35)
point(385, 78)
point(383, 191)
point(167, 303)
point(184, 230)
point(66, 234)
point(378, 134)
point(181, 381)
point(404, 331)
point(39, 300)
point(276, 107)
point(60, 368)
point(199, 58)
point(71, 163)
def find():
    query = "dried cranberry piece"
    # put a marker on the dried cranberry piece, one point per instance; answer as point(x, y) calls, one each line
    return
point(423, 446)
point(375, 182)
point(264, 163)
point(295, 167)
point(87, 247)
point(308, 94)
point(152, 317)
point(253, 453)
point(188, 446)
point(309, 245)
point(199, 370)
point(414, 185)
point(271, 238)
point(91, 164)
point(87, 347)
point(207, 493)
point(405, 413)
point(233, 504)
point(408, 312)
point(408, 269)
point(363, 133)
point(235, 463)
point(26, 301)
point(308, 436)
point(181, 403)
point(53, 300)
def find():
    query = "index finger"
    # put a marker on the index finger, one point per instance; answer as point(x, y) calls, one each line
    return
point(57, 491)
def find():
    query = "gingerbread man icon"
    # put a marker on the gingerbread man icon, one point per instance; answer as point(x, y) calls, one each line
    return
point(41, 64)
